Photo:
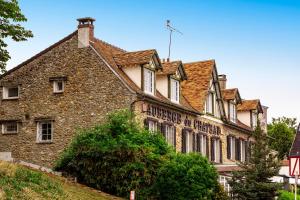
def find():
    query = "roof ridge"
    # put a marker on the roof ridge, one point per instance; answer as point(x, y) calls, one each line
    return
point(128, 52)
point(111, 45)
point(211, 60)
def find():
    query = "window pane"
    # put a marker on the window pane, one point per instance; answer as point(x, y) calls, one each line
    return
point(45, 131)
point(13, 92)
point(148, 81)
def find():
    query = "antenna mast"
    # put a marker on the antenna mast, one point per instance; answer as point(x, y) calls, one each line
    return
point(172, 29)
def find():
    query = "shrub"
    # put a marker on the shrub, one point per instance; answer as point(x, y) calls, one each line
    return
point(116, 157)
point(186, 176)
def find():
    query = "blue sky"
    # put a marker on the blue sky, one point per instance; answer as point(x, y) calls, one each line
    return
point(256, 43)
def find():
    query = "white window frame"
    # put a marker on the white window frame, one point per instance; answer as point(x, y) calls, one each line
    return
point(223, 180)
point(56, 88)
point(174, 93)
point(4, 128)
point(152, 126)
point(210, 103)
point(149, 81)
point(243, 150)
point(232, 112)
point(5, 92)
point(217, 151)
point(203, 142)
point(39, 138)
point(189, 142)
point(254, 117)
point(170, 134)
point(232, 147)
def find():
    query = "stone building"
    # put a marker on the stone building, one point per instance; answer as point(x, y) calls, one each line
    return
point(74, 83)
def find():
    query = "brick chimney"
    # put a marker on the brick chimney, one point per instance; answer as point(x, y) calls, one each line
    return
point(222, 81)
point(85, 31)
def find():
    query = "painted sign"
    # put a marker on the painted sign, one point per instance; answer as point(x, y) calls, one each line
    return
point(176, 118)
point(294, 165)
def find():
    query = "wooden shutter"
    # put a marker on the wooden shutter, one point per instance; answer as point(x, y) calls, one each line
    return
point(194, 142)
point(229, 147)
point(198, 142)
point(212, 156)
point(221, 152)
point(207, 146)
point(183, 143)
point(174, 137)
point(238, 149)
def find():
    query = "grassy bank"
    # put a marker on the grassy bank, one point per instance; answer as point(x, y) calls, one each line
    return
point(18, 182)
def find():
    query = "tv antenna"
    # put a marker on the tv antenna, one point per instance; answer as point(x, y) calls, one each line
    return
point(172, 29)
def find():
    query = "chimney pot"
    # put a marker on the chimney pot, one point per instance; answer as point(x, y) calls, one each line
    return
point(85, 31)
point(168, 59)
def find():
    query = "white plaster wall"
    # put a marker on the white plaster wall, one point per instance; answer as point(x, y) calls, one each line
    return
point(226, 108)
point(83, 37)
point(135, 74)
point(244, 117)
point(162, 85)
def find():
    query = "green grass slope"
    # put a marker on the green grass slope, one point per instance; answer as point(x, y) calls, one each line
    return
point(19, 182)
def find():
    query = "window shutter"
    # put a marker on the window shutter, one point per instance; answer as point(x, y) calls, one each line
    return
point(207, 146)
point(238, 149)
point(175, 137)
point(146, 124)
point(183, 144)
point(194, 142)
point(229, 147)
point(212, 149)
point(163, 129)
point(198, 143)
point(221, 152)
point(246, 151)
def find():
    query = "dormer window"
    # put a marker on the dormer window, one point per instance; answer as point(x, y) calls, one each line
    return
point(232, 111)
point(148, 81)
point(210, 102)
point(253, 119)
point(174, 90)
point(11, 92)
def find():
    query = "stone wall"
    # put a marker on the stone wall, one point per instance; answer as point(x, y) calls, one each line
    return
point(91, 91)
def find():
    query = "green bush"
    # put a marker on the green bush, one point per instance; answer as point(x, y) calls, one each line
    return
point(119, 156)
point(187, 176)
point(285, 195)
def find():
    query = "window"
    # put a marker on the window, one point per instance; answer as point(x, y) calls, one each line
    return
point(148, 81)
point(232, 112)
point(210, 102)
point(58, 86)
point(243, 150)
point(44, 131)
point(231, 147)
point(202, 144)
point(170, 134)
point(187, 141)
point(9, 127)
point(10, 92)
point(152, 126)
point(253, 119)
point(224, 182)
point(174, 90)
point(216, 150)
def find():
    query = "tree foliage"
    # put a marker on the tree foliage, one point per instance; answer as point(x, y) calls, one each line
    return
point(253, 180)
point(282, 131)
point(10, 15)
point(119, 156)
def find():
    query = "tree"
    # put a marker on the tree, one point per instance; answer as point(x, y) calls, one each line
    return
point(10, 15)
point(253, 180)
point(282, 132)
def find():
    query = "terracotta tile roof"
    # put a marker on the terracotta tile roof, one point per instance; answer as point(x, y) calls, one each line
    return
point(229, 94)
point(196, 87)
point(108, 52)
point(170, 68)
point(248, 105)
point(134, 58)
